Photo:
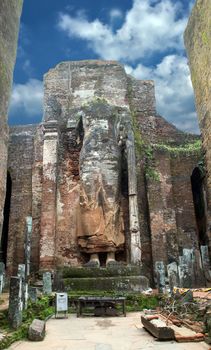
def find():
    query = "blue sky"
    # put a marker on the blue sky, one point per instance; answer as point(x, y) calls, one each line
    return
point(144, 35)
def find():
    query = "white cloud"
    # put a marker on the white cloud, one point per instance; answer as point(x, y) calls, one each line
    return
point(27, 98)
point(149, 26)
point(174, 93)
point(27, 67)
point(151, 29)
point(115, 13)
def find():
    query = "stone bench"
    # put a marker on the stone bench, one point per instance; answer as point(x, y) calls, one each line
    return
point(102, 306)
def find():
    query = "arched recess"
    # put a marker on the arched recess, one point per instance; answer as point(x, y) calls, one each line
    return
point(4, 238)
point(199, 201)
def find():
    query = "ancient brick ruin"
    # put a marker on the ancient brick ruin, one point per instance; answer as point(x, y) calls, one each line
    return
point(106, 180)
point(198, 44)
point(10, 11)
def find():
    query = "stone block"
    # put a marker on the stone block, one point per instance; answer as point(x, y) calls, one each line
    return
point(160, 274)
point(58, 284)
point(124, 283)
point(21, 271)
point(47, 283)
point(36, 330)
point(32, 294)
point(173, 275)
point(157, 328)
point(118, 270)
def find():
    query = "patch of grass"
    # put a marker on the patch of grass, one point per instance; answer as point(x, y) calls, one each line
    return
point(41, 310)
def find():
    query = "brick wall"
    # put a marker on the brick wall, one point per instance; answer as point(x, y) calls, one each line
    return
point(198, 44)
point(20, 162)
point(10, 11)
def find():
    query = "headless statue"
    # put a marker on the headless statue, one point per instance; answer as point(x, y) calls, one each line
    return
point(100, 223)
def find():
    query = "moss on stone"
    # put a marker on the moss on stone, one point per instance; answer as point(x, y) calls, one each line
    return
point(119, 270)
point(190, 148)
point(118, 283)
point(204, 37)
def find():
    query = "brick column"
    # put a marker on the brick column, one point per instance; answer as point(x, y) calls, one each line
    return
point(49, 193)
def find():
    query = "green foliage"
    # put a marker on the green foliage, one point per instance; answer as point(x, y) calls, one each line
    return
point(152, 174)
point(204, 37)
point(134, 301)
point(190, 147)
point(41, 310)
point(138, 302)
point(95, 100)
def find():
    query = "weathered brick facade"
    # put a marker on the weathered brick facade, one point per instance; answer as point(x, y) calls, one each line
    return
point(10, 11)
point(147, 202)
point(198, 44)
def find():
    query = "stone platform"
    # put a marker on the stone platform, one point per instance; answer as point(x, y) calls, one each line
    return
point(118, 278)
point(99, 333)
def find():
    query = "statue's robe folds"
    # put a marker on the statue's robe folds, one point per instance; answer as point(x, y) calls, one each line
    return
point(100, 223)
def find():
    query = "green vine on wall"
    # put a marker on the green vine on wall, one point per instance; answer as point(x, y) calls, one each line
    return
point(145, 151)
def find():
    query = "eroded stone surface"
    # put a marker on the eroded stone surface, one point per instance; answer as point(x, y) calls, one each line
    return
point(9, 26)
point(36, 330)
point(198, 44)
point(101, 224)
point(103, 174)
point(47, 283)
point(15, 302)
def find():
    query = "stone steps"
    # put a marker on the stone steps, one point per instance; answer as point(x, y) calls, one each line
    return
point(116, 283)
point(118, 270)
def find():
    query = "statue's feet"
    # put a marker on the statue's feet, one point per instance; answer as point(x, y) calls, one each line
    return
point(94, 261)
point(111, 261)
